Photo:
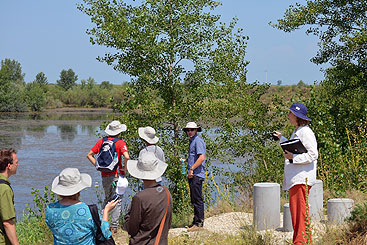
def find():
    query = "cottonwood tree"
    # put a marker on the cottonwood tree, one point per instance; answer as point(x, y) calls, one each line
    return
point(41, 79)
point(174, 51)
point(11, 86)
point(339, 102)
point(342, 29)
point(14, 70)
point(67, 79)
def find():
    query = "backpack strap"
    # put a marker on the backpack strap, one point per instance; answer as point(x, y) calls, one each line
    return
point(100, 239)
point(163, 220)
point(114, 140)
point(94, 211)
point(2, 181)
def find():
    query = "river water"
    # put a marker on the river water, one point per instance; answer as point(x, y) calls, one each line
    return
point(47, 143)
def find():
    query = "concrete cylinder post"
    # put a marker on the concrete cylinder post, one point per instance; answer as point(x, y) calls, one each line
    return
point(287, 218)
point(315, 201)
point(266, 200)
point(338, 209)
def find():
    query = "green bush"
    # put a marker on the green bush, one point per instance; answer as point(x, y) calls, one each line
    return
point(35, 96)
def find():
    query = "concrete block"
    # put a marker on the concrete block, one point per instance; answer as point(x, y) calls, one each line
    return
point(287, 218)
point(266, 202)
point(338, 209)
point(315, 201)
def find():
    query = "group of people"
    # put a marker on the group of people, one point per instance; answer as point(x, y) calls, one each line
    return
point(149, 217)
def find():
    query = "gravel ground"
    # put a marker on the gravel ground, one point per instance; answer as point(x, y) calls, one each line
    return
point(233, 223)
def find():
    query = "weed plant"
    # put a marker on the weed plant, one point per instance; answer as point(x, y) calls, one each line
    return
point(32, 229)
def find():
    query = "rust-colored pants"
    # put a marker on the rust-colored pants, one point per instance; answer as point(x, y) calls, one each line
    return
point(297, 206)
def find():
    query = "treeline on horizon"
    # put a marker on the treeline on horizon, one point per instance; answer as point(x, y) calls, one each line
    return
point(19, 96)
point(37, 95)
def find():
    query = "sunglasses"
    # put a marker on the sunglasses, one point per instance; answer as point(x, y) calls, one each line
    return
point(191, 129)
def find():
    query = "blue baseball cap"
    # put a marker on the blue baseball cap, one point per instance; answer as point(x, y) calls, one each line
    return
point(300, 110)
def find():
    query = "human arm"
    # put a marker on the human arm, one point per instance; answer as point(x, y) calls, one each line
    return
point(200, 151)
point(280, 137)
point(133, 217)
point(9, 227)
point(126, 158)
point(91, 158)
point(198, 162)
point(109, 206)
point(105, 228)
point(308, 139)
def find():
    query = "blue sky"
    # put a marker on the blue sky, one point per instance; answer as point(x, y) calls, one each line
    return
point(49, 35)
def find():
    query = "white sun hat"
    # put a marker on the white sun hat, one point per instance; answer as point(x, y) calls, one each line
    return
point(148, 134)
point(122, 185)
point(191, 125)
point(70, 181)
point(114, 128)
point(148, 167)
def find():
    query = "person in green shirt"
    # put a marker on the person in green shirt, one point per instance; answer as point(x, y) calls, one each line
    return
point(8, 167)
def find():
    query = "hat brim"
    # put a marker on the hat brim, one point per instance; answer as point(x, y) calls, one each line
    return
point(86, 181)
point(198, 128)
point(146, 138)
point(116, 132)
point(132, 168)
point(297, 114)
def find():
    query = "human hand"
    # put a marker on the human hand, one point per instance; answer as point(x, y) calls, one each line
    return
point(190, 175)
point(182, 160)
point(288, 155)
point(276, 135)
point(111, 205)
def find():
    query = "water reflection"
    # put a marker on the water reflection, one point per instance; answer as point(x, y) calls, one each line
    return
point(37, 131)
point(89, 129)
point(67, 132)
point(46, 144)
point(10, 142)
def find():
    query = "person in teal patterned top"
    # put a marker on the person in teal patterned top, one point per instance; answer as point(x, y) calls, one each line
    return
point(69, 219)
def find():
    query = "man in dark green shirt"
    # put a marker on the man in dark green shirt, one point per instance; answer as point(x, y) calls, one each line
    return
point(8, 167)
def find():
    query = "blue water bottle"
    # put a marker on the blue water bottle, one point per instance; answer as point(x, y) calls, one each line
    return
point(183, 167)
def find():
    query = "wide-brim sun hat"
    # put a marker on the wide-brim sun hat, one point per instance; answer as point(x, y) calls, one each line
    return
point(191, 125)
point(114, 128)
point(300, 110)
point(70, 181)
point(148, 134)
point(148, 167)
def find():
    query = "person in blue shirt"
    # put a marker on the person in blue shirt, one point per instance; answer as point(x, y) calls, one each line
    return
point(196, 173)
point(69, 219)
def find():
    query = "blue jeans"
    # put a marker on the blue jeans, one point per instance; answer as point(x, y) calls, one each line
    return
point(196, 194)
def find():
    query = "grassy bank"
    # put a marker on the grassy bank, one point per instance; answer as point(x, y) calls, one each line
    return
point(32, 229)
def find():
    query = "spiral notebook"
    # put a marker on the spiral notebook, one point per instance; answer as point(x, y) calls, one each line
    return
point(294, 146)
